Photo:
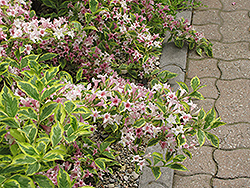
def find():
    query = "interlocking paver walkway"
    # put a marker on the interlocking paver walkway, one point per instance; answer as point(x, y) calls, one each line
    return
point(228, 78)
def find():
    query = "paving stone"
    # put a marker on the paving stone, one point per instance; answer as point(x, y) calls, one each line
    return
point(210, 31)
point(201, 162)
point(235, 69)
point(215, 4)
point(231, 51)
point(240, 182)
point(233, 103)
point(197, 181)
point(233, 136)
point(240, 5)
point(206, 17)
point(232, 28)
point(232, 164)
point(203, 68)
point(171, 55)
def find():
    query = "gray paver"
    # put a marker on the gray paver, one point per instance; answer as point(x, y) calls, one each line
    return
point(240, 5)
point(203, 68)
point(206, 17)
point(171, 55)
point(231, 51)
point(232, 164)
point(240, 182)
point(232, 28)
point(233, 103)
point(197, 181)
point(238, 69)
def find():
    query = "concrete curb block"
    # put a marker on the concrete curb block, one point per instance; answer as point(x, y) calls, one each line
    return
point(174, 60)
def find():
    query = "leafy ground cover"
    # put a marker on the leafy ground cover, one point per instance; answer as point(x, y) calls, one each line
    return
point(62, 83)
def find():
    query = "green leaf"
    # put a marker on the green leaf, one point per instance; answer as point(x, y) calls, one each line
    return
point(93, 5)
point(100, 164)
point(153, 141)
point(2, 179)
point(69, 106)
point(179, 158)
point(139, 123)
point(213, 139)
point(5, 158)
point(156, 172)
point(43, 181)
point(23, 159)
point(195, 82)
point(24, 181)
point(10, 122)
point(199, 51)
point(47, 110)
point(12, 169)
point(166, 75)
point(210, 117)
point(209, 51)
point(47, 56)
point(177, 166)
point(90, 28)
point(60, 113)
point(103, 146)
point(201, 114)
point(188, 153)
point(27, 148)
point(28, 112)
point(178, 42)
point(63, 179)
point(53, 155)
point(4, 67)
point(11, 184)
point(51, 73)
point(56, 133)
point(197, 95)
point(183, 86)
point(32, 13)
point(217, 124)
point(201, 137)
point(30, 132)
point(191, 45)
point(29, 89)
point(9, 101)
point(49, 3)
point(169, 156)
point(17, 135)
point(79, 74)
point(181, 141)
point(41, 147)
point(51, 90)
point(109, 155)
point(157, 157)
point(161, 107)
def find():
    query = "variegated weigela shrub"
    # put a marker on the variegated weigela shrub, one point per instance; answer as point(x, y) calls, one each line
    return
point(47, 123)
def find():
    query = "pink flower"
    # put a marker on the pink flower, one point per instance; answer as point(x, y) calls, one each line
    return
point(115, 101)
point(106, 118)
point(233, 3)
